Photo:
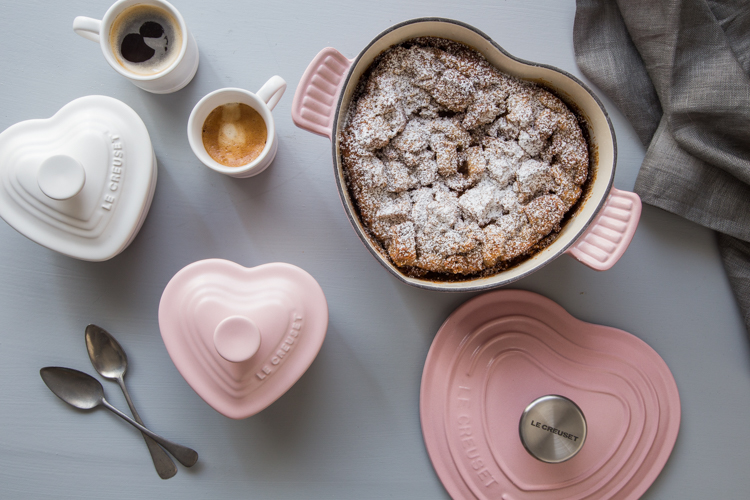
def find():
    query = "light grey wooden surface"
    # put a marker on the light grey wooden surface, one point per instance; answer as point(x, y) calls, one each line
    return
point(350, 427)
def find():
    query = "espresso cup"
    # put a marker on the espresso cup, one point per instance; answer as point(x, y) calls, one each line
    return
point(146, 41)
point(220, 100)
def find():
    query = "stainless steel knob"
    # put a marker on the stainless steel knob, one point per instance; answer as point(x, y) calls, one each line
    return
point(553, 429)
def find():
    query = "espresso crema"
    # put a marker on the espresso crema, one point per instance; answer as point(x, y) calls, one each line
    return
point(234, 134)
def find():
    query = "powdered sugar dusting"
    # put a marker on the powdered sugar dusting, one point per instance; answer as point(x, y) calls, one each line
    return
point(456, 167)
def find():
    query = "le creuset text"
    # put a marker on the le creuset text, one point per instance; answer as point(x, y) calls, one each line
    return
point(466, 435)
point(283, 349)
point(553, 430)
point(114, 178)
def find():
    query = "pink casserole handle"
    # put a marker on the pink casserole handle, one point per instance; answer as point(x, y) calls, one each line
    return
point(607, 238)
point(314, 104)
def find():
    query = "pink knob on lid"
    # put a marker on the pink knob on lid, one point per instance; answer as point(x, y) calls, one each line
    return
point(237, 339)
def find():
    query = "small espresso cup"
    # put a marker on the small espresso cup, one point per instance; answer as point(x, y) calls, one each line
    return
point(262, 102)
point(146, 41)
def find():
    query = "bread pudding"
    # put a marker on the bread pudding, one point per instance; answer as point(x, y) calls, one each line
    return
point(457, 169)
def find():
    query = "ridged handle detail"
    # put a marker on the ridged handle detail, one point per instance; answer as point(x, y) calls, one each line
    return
point(314, 104)
point(609, 235)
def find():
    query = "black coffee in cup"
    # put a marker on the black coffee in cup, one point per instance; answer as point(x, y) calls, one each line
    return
point(145, 39)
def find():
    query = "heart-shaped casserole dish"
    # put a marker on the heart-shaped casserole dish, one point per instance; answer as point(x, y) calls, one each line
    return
point(598, 230)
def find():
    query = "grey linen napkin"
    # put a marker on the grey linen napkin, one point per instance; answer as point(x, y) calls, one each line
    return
point(679, 70)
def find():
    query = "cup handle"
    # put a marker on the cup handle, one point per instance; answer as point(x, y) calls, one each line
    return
point(87, 27)
point(272, 90)
point(609, 235)
point(317, 95)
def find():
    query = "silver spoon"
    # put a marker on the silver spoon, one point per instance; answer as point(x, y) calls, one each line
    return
point(110, 360)
point(85, 392)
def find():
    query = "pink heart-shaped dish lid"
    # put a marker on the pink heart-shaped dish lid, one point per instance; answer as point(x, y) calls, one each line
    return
point(80, 182)
point(502, 351)
point(241, 337)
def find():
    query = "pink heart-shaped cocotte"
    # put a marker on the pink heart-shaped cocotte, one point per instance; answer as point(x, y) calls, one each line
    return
point(241, 337)
point(80, 182)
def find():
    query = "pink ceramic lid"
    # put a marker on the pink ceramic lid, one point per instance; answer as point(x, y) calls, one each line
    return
point(503, 350)
point(241, 337)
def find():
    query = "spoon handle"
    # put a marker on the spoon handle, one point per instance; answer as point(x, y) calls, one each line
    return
point(164, 465)
point(186, 456)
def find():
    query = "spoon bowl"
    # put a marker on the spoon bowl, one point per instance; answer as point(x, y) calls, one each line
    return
point(74, 387)
point(107, 356)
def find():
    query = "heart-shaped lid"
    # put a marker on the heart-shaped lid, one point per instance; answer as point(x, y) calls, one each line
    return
point(241, 337)
point(521, 400)
point(80, 182)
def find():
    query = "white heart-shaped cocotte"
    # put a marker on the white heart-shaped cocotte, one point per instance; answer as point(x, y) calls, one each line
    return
point(81, 182)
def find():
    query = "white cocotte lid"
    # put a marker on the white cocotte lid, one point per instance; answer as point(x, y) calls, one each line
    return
point(80, 182)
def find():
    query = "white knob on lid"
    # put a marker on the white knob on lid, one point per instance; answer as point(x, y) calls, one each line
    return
point(61, 177)
point(237, 339)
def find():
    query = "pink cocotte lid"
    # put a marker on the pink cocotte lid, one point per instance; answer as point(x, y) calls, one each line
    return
point(241, 337)
point(495, 370)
